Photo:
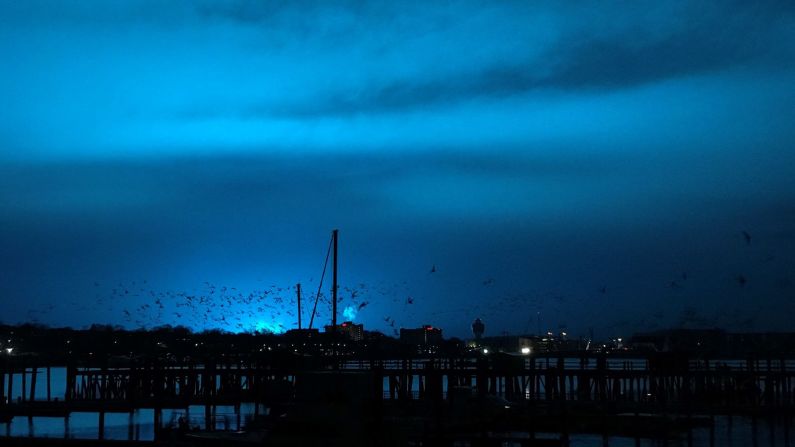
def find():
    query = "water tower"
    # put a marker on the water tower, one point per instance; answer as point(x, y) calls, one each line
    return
point(478, 328)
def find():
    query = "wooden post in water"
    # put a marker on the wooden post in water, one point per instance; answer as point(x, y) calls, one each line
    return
point(130, 426)
point(24, 380)
point(712, 429)
point(33, 374)
point(49, 387)
point(70, 381)
point(561, 378)
point(103, 387)
point(206, 379)
point(254, 386)
point(158, 422)
point(10, 394)
point(101, 429)
point(2, 383)
point(754, 433)
point(601, 380)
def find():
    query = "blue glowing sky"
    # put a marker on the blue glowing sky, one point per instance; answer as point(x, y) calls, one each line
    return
point(591, 164)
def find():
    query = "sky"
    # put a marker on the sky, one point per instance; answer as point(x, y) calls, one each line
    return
point(595, 167)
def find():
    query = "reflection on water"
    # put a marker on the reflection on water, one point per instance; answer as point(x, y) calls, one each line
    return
point(57, 384)
point(727, 432)
point(138, 425)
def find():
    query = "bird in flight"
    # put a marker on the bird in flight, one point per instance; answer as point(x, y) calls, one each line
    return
point(747, 237)
point(742, 280)
point(433, 269)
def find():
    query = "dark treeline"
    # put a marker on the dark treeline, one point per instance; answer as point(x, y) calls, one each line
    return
point(179, 342)
point(115, 340)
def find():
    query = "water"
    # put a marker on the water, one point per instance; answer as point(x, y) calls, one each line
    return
point(138, 425)
point(740, 432)
point(57, 384)
point(735, 432)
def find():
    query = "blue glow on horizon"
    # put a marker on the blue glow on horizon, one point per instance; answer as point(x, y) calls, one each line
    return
point(269, 327)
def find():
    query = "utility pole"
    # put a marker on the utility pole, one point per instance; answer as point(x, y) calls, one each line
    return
point(298, 294)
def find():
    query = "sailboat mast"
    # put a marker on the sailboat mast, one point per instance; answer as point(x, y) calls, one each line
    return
point(298, 296)
point(335, 237)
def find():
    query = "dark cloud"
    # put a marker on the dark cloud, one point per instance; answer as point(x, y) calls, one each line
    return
point(72, 188)
point(709, 40)
point(747, 35)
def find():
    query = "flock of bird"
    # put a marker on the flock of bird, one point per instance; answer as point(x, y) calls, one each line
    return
point(273, 308)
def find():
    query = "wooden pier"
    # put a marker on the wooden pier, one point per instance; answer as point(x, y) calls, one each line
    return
point(585, 383)
point(655, 381)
